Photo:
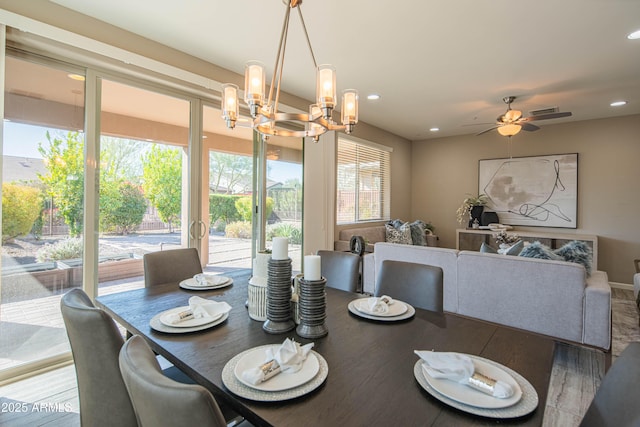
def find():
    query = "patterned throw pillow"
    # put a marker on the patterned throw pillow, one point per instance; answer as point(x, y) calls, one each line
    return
point(540, 251)
point(400, 235)
point(516, 248)
point(418, 237)
point(578, 252)
point(486, 249)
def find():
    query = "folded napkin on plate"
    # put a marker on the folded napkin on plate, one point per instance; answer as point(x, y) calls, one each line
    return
point(459, 367)
point(198, 308)
point(288, 358)
point(208, 279)
point(379, 305)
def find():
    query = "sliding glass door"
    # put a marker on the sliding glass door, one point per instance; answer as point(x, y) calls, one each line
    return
point(42, 207)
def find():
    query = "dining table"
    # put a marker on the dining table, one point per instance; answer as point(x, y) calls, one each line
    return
point(370, 378)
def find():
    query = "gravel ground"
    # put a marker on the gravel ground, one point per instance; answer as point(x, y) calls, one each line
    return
point(23, 250)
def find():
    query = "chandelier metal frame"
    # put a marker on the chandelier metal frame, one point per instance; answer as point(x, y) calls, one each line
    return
point(265, 117)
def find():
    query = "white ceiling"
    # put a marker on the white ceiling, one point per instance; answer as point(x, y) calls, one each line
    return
point(435, 63)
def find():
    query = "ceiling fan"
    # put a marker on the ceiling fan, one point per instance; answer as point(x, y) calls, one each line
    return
point(512, 122)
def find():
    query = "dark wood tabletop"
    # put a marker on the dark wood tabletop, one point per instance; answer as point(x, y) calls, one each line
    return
point(370, 381)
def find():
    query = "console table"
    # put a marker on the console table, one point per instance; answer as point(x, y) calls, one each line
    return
point(472, 239)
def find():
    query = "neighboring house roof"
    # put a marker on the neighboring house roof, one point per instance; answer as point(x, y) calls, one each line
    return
point(25, 169)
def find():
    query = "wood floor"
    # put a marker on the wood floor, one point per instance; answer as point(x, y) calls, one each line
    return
point(51, 399)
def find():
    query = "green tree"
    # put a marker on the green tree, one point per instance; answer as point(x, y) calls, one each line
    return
point(244, 206)
point(230, 171)
point(21, 206)
point(122, 206)
point(64, 180)
point(162, 182)
point(120, 158)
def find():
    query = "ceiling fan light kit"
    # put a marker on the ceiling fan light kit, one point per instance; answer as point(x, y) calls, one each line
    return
point(511, 122)
point(265, 117)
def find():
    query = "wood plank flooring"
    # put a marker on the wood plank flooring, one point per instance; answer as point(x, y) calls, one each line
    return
point(51, 399)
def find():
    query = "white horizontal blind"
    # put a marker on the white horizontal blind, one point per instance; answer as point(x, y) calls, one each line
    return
point(363, 183)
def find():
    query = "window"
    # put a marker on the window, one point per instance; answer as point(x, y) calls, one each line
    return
point(363, 182)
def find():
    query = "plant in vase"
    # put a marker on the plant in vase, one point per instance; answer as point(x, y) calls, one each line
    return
point(471, 208)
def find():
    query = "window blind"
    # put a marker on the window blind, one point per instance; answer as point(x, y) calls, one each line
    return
point(363, 183)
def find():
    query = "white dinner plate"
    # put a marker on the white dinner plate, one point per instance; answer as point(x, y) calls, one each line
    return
point(190, 323)
point(527, 403)
point(409, 313)
point(396, 308)
point(282, 381)
point(236, 387)
point(192, 284)
point(157, 325)
point(470, 396)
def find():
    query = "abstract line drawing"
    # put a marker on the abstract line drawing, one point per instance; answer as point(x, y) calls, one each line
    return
point(532, 191)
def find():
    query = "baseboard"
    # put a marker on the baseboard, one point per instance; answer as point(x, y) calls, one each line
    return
point(625, 286)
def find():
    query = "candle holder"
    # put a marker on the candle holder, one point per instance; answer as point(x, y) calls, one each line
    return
point(278, 297)
point(312, 307)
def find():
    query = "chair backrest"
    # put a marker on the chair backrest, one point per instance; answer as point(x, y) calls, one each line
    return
point(616, 401)
point(341, 269)
point(172, 266)
point(160, 401)
point(95, 344)
point(417, 284)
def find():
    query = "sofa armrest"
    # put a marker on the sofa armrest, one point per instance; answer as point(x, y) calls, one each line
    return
point(597, 311)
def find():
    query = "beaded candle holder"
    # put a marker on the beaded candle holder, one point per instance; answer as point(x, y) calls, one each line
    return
point(312, 308)
point(279, 297)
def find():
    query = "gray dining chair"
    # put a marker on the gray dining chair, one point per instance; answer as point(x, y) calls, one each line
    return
point(616, 400)
point(160, 401)
point(417, 284)
point(171, 266)
point(95, 345)
point(341, 269)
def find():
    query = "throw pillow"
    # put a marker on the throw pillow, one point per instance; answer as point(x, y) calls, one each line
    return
point(516, 249)
point(578, 252)
point(538, 250)
point(400, 235)
point(484, 248)
point(417, 233)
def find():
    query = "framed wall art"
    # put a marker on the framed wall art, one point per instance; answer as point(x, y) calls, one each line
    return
point(540, 191)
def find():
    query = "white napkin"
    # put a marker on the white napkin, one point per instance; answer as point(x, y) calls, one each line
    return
point(198, 308)
point(459, 367)
point(379, 305)
point(289, 358)
point(209, 279)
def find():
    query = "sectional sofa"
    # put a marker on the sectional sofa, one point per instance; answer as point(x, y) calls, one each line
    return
point(554, 298)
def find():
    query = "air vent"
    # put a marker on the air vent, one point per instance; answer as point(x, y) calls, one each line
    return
point(543, 111)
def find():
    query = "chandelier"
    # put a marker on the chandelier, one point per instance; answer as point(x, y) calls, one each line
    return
point(265, 117)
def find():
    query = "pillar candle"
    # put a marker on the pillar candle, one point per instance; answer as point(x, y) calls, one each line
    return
point(312, 267)
point(280, 248)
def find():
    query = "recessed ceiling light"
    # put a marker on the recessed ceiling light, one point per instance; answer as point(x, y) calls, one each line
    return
point(434, 129)
point(634, 36)
point(373, 97)
point(618, 103)
point(77, 77)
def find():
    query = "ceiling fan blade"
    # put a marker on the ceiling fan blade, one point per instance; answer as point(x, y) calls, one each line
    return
point(487, 130)
point(546, 116)
point(529, 127)
point(477, 124)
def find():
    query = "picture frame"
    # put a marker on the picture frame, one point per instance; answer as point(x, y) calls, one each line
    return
point(536, 191)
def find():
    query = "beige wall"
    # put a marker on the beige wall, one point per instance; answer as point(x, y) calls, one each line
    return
point(445, 169)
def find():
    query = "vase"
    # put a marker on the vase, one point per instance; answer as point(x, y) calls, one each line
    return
point(476, 213)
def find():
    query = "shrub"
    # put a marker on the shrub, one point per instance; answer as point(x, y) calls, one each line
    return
point(239, 229)
point(21, 206)
point(222, 208)
point(244, 206)
point(286, 229)
point(122, 207)
point(63, 249)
